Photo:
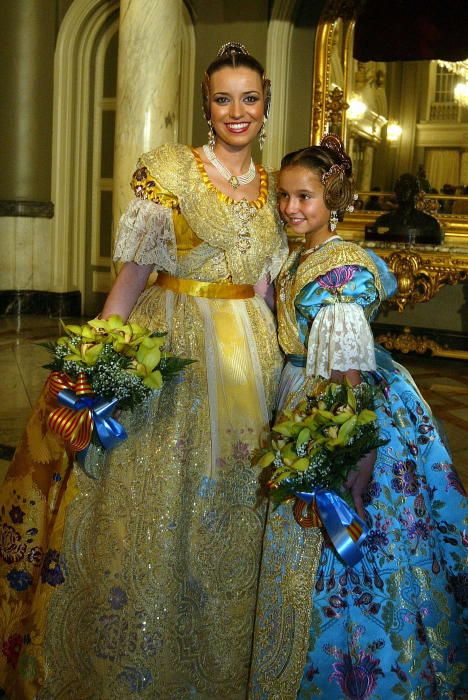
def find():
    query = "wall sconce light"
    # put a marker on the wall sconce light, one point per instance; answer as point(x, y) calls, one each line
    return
point(357, 108)
point(394, 131)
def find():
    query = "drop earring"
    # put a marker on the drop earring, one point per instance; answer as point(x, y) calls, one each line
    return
point(333, 220)
point(211, 135)
point(262, 135)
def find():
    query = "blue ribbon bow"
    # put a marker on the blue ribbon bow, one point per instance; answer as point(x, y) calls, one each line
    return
point(336, 517)
point(109, 430)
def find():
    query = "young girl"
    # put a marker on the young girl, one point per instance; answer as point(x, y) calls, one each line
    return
point(388, 627)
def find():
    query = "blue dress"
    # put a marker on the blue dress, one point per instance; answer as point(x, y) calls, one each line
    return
point(392, 625)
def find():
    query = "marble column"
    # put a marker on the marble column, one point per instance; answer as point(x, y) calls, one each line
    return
point(147, 86)
point(26, 71)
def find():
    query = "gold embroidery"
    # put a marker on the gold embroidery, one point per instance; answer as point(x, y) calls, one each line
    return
point(291, 555)
point(168, 542)
point(218, 220)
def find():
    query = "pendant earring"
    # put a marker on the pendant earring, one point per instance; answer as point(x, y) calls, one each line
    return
point(211, 135)
point(262, 135)
point(333, 220)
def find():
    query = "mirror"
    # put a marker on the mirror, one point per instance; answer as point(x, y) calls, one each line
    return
point(395, 117)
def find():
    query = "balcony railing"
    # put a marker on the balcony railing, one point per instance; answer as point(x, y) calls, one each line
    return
point(445, 112)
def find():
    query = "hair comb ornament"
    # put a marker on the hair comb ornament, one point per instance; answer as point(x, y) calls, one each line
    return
point(334, 143)
point(232, 47)
point(337, 180)
point(334, 170)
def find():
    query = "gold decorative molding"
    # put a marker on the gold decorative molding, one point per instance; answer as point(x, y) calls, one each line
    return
point(407, 342)
point(335, 106)
point(420, 276)
point(329, 104)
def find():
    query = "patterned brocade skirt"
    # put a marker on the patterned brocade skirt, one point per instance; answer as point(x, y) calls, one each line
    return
point(160, 556)
point(394, 625)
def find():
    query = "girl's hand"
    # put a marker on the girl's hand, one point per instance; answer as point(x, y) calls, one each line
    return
point(358, 481)
point(264, 288)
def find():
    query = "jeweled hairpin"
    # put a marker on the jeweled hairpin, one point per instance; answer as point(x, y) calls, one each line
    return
point(350, 207)
point(333, 143)
point(232, 45)
point(334, 169)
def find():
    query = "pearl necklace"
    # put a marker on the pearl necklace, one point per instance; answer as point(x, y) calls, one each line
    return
point(234, 180)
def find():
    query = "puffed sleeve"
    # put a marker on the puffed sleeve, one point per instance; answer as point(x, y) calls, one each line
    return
point(146, 233)
point(338, 305)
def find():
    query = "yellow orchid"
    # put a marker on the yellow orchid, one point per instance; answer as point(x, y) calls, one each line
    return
point(88, 353)
point(316, 443)
point(106, 325)
point(144, 363)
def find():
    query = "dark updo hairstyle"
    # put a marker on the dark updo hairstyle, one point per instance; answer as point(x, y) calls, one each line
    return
point(334, 168)
point(234, 55)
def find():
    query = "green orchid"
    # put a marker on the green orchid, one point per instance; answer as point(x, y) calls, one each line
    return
point(145, 362)
point(87, 353)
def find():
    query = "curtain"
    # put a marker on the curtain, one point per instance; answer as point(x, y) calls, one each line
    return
point(442, 167)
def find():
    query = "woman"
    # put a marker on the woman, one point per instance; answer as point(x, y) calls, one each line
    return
point(152, 591)
point(389, 626)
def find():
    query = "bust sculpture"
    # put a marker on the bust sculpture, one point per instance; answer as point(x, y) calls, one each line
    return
point(406, 223)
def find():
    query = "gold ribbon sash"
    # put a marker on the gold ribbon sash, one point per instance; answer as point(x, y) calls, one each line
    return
point(207, 290)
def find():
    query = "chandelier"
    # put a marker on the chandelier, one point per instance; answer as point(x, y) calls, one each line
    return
point(460, 68)
point(460, 93)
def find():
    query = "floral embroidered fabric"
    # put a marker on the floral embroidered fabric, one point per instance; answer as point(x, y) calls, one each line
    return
point(393, 625)
point(143, 583)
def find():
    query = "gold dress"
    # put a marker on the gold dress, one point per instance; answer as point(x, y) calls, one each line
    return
point(151, 590)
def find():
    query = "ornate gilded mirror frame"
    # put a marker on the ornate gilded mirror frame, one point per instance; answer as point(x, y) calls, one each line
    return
point(330, 104)
point(421, 270)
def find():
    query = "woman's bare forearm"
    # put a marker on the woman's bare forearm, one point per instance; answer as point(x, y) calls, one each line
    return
point(126, 289)
point(352, 375)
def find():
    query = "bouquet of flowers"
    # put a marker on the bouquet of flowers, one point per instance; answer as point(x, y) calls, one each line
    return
point(99, 367)
point(312, 448)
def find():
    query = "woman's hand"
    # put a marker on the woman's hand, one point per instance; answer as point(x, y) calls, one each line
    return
point(358, 481)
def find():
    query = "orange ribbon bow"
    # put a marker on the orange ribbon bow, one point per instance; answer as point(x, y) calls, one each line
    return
point(74, 425)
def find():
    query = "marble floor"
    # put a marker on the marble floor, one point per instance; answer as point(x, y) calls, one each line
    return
point(444, 383)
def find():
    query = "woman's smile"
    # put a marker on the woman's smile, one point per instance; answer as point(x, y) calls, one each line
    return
point(237, 127)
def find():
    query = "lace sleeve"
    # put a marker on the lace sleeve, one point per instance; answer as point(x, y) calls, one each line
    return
point(341, 339)
point(146, 236)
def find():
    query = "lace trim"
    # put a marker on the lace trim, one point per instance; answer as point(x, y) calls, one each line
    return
point(340, 339)
point(295, 276)
point(146, 236)
point(248, 235)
